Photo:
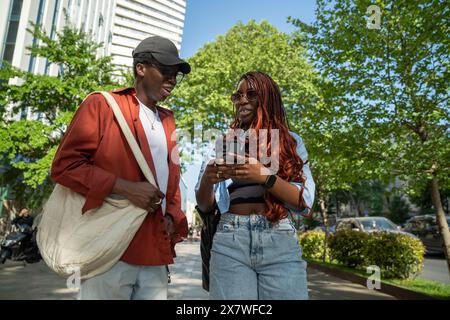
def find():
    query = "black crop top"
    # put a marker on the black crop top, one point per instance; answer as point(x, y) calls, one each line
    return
point(245, 192)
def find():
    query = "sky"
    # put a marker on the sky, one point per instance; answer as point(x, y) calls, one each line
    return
point(207, 19)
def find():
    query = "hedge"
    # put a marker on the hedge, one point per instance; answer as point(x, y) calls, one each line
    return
point(397, 255)
point(312, 243)
point(349, 248)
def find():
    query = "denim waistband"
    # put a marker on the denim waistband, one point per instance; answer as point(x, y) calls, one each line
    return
point(256, 220)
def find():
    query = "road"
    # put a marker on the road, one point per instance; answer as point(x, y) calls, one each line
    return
point(435, 268)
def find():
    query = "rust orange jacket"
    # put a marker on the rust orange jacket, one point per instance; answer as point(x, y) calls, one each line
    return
point(94, 153)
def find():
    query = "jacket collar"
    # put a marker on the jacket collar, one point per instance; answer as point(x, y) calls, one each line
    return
point(131, 90)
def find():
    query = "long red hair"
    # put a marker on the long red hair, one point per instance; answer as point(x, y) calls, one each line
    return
point(270, 115)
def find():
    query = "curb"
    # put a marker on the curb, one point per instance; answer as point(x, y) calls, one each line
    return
point(397, 292)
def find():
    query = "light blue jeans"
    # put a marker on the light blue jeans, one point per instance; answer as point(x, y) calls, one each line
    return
point(127, 282)
point(252, 258)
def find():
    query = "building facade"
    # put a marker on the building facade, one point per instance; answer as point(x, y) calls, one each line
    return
point(135, 20)
point(119, 24)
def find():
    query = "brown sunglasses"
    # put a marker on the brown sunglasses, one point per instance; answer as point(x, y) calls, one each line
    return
point(251, 95)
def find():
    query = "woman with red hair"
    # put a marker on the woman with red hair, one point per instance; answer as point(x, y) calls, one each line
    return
point(259, 193)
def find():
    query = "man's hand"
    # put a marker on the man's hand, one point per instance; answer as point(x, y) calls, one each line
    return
point(170, 228)
point(141, 194)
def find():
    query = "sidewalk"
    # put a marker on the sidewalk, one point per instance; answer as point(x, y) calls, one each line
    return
point(36, 281)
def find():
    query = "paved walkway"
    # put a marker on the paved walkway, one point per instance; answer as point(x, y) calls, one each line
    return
point(36, 281)
point(435, 269)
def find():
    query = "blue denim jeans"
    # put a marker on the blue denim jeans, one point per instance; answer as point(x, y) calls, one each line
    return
point(126, 282)
point(252, 258)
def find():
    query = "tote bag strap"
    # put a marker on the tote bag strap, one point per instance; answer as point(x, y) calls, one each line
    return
point(129, 136)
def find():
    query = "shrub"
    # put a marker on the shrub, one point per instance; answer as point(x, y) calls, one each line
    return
point(349, 247)
point(397, 255)
point(312, 243)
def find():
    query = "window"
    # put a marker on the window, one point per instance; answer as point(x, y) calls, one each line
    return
point(11, 35)
point(9, 52)
point(353, 225)
point(38, 21)
point(16, 9)
point(52, 34)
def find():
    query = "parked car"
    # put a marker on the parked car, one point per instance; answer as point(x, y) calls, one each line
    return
point(370, 224)
point(322, 228)
point(426, 229)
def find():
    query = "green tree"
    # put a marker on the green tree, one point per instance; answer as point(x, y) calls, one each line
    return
point(205, 95)
point(398, 209)
point(393, 81)
point(367, 195)
point(28, 145)
point(335, 149)
point(422, 199)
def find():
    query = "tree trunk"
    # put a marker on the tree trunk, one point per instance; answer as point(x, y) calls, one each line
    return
point(353, 204)
point(446, 204)
point(441, 220)
point(8, 213)
point(323, 212)
point(337, 205)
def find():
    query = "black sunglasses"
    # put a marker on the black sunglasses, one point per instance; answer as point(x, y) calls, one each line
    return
point(251, 95)
point(169, 72)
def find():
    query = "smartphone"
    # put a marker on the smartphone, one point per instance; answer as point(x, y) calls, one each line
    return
point(228, 146)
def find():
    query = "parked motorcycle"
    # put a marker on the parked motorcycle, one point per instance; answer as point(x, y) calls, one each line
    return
point(20, 245)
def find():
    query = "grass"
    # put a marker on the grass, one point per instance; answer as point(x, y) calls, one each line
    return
point(431, 288)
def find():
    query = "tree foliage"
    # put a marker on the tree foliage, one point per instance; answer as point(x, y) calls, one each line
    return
point(28, 145)
point(205, 95)
point(391, 83)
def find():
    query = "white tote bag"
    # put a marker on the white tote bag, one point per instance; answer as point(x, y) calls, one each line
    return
point(93, 242)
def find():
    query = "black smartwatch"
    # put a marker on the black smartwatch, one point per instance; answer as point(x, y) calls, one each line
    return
point(270, 181)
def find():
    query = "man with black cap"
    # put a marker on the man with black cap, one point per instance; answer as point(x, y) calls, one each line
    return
point(94, 159)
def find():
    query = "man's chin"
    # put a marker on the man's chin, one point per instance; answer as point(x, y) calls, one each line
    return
point(159, 98)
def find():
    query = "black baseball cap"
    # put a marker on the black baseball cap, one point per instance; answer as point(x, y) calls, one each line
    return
point(163, 50)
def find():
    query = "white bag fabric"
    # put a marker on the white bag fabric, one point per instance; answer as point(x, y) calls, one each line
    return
point(93, 242)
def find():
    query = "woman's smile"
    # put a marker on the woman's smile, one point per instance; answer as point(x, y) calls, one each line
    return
point(244, 111)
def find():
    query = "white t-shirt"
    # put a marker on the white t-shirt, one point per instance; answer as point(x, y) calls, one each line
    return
point(157, 142)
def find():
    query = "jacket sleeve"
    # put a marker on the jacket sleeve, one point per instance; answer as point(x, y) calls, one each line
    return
point(73, 165)
point(179, 218)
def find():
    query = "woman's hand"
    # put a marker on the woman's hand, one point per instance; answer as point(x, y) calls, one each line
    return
point(205, 194)
point(214, 172)
point(251, 170)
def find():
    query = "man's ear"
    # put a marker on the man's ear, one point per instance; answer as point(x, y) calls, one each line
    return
point(140, 69)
